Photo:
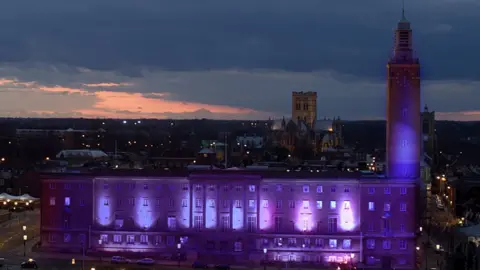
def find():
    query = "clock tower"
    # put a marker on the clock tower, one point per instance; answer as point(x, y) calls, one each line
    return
point(403, 106)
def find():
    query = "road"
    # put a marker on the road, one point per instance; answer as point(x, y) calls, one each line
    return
point(441, 222)
point(12, 231)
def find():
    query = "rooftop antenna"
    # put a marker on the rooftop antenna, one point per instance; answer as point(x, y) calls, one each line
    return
point(403, 10)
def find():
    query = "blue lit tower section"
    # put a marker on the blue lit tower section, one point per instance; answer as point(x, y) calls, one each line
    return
point(403, 106)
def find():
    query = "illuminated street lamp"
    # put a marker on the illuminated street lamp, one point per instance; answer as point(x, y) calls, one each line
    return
point(16, 203)
point(73, 261)
point(24, 245)
point(421, 229)
point(93, 268)
point(2, 159)
point(265, 259)
point(179, 246)
point(418, 248)
point(24, 228)
point(437, 247)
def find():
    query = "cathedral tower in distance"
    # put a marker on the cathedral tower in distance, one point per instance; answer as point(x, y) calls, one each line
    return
point(403, 106)
point(304, 107)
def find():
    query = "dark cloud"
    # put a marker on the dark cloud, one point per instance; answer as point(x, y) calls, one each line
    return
point(349, 37)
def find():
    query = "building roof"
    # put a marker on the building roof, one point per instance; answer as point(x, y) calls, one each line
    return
point(81, 153)
point(314, 175)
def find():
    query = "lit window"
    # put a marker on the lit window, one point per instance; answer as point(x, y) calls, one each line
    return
point(172, 223)
point(306, 204)
point(291, 204)
point(211, 203)
point(403, 191)
point(347, 244)
point(386, 190)
point(238, 204)
point(403, 207)
point(387, 244)
point(117, 238)
point(251, 188)
point(279, 204)
point(332, 243)
point(319, 204)
point(306, 189)
point(402, 244)
point(333, 205)
point(238, 246)
point(67, 201)
point(319, 189)
point(67, 237)
point(346, 205)
point(386, 207)
point(265, 203)
point(130, 239)
point(371, 206)
point(370, 243)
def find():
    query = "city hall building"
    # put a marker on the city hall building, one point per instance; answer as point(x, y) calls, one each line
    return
point(234, 216)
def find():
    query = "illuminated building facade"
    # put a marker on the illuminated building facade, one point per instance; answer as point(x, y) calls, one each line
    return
point(299, 217)
point(403, 107)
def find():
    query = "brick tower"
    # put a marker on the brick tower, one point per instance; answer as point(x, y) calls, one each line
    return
point(304, 107)
point(403, 106)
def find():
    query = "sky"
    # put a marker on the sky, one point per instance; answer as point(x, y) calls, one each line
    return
point(229, 59)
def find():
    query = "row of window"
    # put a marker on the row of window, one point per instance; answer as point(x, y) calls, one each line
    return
point(238, 204)
point(291, 242)
point(387, 207)
point(251, 188)
point(386, 244)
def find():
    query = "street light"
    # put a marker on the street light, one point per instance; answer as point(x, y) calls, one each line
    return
point(24, 245)
point(93, 268)
point(265, 259)
point(24, 228)
point(73, 261)
point(179, 246)
point(418, 248)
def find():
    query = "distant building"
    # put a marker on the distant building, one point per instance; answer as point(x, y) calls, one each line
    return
point(327, 135)
point(429, 136)
point(304, 107)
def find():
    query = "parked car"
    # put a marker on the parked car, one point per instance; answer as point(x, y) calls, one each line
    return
point(146, 261)
point(199, 265)
point(222, 267)
point(119, 260)
point(30, 264)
